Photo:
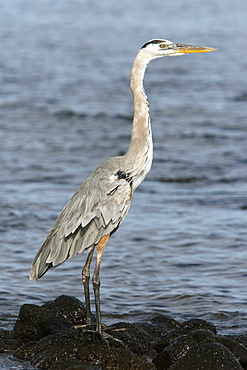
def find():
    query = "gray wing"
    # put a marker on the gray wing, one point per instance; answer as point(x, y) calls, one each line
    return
point(96, 209)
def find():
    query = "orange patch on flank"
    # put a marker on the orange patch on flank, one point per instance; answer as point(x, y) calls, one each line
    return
point(101, 244)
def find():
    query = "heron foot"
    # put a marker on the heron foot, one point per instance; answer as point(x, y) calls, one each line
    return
point(106, 337)
point(89, 328)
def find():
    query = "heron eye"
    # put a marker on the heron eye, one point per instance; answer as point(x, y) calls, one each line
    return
point(162, 46)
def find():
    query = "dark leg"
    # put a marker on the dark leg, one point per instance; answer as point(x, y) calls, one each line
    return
point(96, 280)
point(85, 280)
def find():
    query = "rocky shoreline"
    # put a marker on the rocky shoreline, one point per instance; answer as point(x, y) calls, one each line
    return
point(50, 337)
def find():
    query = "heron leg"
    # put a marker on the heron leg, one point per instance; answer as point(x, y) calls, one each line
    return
point(85, 280)
point(96, 280)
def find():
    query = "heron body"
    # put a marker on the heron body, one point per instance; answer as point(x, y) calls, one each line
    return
point(102, 202)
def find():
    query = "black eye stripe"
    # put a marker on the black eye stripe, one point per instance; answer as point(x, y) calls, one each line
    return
point(153, 42)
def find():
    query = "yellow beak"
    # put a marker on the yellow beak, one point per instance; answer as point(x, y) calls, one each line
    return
point(187, 49)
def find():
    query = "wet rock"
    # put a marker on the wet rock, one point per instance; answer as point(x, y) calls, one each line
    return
point(68, 308)
point(238, 349)
point(205, 356)
point(73, 364)
point(181, 345)
point(165, 322)
point(25, 352)
point(50, 341)
point(182, 329)
point(87, 347)
point(242, 339)
point(7, 341)
point(155, 331)
point(179, 348)
point(134, 337)
point(122, 359)
point(36, 322)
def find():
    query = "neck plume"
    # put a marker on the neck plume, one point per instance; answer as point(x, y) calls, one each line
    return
point(140, 153)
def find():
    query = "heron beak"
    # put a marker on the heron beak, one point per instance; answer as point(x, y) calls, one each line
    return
point(188, 49)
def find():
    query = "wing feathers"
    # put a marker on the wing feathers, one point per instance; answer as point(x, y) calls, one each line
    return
point(90, 214)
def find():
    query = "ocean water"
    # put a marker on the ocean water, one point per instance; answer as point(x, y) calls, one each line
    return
point(65, 106)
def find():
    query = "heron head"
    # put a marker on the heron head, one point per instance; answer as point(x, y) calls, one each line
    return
point(161, 48)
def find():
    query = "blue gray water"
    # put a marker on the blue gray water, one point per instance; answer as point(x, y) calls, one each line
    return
point(65, 106)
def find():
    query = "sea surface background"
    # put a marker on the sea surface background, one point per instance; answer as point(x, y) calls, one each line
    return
point(65, 106)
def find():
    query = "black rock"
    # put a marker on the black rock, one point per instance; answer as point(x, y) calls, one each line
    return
point(87, 347)
point(7, 341)
point(238, 349)
point(36, 322)
point(181, 345)
point(207, 356)
point(50, 340)
point(68, 308)
point(165, 322)
point(73, 364)
point(133, 336)
point(184, 328)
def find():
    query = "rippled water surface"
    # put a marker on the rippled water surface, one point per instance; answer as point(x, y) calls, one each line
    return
point(66, 106)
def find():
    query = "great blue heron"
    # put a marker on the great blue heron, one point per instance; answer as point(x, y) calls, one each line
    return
point(101, 204)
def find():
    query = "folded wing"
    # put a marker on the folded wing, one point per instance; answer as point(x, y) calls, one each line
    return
point(96, 209)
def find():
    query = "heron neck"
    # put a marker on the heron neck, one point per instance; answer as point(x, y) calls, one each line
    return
point(140, 151)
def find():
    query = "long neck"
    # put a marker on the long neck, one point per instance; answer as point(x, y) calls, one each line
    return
point(140, 153)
